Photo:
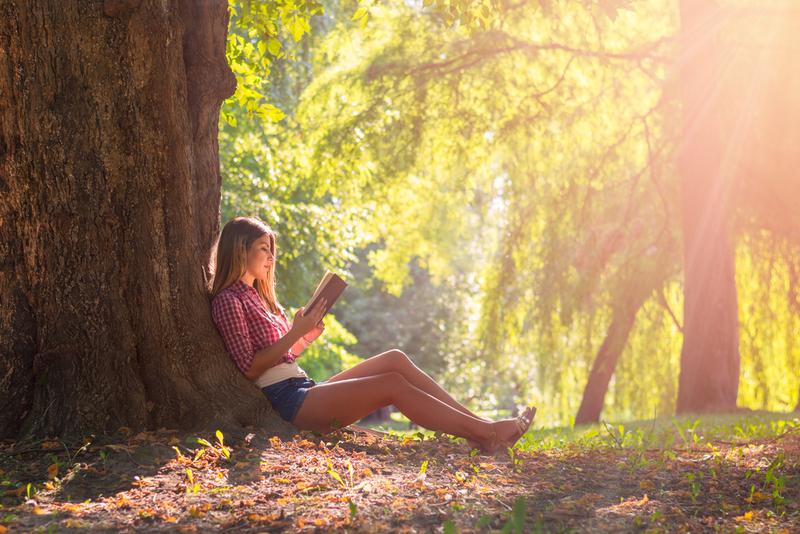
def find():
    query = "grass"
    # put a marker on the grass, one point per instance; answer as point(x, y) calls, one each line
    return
point(659, 433)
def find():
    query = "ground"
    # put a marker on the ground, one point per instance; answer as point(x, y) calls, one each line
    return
point(672, 475)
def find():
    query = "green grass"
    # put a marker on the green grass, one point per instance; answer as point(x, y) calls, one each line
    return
point(661, 433)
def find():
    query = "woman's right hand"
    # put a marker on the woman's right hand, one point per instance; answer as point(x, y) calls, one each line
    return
point(302, 324)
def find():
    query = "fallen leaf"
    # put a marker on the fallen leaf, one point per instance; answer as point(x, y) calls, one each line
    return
point(747, 516)
point(647, 485)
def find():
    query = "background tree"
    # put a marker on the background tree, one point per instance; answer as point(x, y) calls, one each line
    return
point(709, 377)
point(517, 130)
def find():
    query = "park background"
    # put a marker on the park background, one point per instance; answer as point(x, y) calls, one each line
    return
point(506, 201)
point(586, 205)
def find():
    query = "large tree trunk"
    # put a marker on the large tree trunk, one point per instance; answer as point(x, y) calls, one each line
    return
point(110, 184)
point(709, 377)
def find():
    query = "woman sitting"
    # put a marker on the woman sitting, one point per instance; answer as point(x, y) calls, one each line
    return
point(264, 345)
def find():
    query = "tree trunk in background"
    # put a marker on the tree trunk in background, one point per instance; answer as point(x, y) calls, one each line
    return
point(110, 186)
point(709, 377)
point(797, 408)
point(605, 362)
point(624, 315)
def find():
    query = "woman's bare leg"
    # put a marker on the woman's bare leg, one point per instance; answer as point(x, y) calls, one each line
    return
point(333, 405)
point(396, 360)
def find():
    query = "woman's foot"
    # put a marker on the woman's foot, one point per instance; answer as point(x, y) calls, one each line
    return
point(494, 440)
point(505, 433)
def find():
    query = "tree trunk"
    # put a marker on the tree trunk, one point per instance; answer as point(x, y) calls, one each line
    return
point(110, 186)
point(606, 361)
point(797, 408)
point(709, 376)
point(626, 307)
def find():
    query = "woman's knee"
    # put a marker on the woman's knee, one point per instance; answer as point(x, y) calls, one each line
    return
point(399, 359)
point(392, 383)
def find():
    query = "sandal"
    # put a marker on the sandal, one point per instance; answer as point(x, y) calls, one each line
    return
point(523, 423)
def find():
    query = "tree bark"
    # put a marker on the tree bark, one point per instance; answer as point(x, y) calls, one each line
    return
point(709, 376)
point(109, 207)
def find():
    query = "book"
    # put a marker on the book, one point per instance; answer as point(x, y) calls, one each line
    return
point(330, 287)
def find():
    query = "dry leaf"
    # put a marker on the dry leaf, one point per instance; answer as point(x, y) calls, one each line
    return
point(747, 516)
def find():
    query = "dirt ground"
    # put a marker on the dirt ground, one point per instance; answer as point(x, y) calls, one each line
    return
point(362, 481)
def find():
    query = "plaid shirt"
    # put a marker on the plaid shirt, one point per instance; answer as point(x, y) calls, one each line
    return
point(245, 324)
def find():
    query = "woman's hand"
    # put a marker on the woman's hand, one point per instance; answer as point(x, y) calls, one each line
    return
point(303, 324)
point(315, 332)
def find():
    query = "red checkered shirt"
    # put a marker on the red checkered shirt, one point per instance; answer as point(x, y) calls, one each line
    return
point(245, 324)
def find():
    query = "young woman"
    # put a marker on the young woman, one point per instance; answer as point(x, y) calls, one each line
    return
point(264, 345)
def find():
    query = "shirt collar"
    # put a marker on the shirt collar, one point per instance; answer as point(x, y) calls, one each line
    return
point(241, 287)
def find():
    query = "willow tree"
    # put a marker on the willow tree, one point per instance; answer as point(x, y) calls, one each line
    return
point(110, 185)
point(560, 139)
point(534, 165)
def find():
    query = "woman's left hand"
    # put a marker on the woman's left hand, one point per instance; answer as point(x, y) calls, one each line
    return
point(315, 332)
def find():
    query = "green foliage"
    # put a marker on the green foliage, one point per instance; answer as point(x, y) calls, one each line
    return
point(665, 432)
point(265, 172)
point(479, 189)
point(255, 42)
point(420, 321)
point(516, 522)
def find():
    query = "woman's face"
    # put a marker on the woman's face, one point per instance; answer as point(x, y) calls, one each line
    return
point(260, 258)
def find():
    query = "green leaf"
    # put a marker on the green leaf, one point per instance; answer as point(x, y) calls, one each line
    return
point(518, 513)
point(274, 46)
point(424, 467)
point(296, 25)
point(273, 113)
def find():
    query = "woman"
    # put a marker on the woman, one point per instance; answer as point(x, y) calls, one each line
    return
point(264, 345)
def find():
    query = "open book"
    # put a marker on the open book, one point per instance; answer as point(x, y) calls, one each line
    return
point(330, 287)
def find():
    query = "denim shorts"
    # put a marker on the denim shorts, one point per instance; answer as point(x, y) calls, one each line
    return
point(287, 395)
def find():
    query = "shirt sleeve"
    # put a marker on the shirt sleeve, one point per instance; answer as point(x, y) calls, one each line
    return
point(279, 332)
point(227, 312)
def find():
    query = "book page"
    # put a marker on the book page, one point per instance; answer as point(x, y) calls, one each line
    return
point(320, 287)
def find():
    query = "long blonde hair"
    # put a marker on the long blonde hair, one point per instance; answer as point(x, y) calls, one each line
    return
point(230, 258)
